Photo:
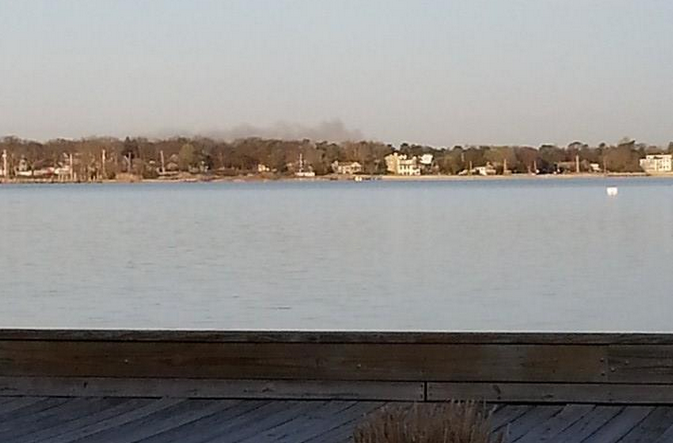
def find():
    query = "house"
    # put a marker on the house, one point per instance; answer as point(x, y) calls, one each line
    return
point(484, 170)
point(346, 168)
point(426, 159)
point(23, 169)
point(426, 163)
point(262, 168)
point(4, 172)
point(657, 163)
point(399, 164)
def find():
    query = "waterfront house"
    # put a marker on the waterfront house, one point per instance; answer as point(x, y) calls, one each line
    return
point(399, 164)
point(426, 159)
point(4, 171)
point(23, 169)
point(484, 170)
point(657, 163)
point(426, 162)
point(346, 168)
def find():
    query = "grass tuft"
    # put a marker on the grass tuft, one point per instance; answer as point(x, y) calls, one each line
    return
point(454, 422)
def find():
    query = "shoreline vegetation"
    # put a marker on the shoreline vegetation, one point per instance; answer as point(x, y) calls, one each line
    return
point(195, 159)
point(334, 178)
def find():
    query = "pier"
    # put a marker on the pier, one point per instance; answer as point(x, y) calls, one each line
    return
point(315, 386)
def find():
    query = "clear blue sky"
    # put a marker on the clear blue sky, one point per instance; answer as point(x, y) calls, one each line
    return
point(438, 72)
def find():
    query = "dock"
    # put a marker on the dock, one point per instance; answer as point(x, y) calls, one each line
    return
point(298, 386)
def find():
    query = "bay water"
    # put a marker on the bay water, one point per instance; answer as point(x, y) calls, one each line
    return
point(489, 255)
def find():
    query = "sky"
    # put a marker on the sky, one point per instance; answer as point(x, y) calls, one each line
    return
point(434, 72)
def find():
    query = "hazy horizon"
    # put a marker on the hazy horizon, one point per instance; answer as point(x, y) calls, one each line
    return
point(465, 72)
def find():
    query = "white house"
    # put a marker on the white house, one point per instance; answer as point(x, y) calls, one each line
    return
point(399, 164)
point(4, 169)
point(426, 159)
point(654, 163)
point(485, 170)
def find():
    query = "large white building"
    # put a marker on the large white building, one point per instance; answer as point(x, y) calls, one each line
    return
point(399, 164)
point(654, 163)
point(4, 166)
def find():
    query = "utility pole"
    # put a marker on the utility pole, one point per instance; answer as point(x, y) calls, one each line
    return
point(71, 164)
point(163, 165)
point(103, 161)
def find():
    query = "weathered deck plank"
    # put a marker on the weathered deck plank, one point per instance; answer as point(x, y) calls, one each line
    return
point(640, 363)
point(311, 385)
point(344, 418)
point(224, 428)
point(604, 393)
point(4, 400)
point(263, 431)
point(95, 420)
point(507, 414)
point(652, 427)
point(305, 361)
point(507, 367)
point(522, 425)
point(307, 425)
point(349, 419)
point(27, 424)
point(160, 421)
point(548, 430)
point(666, 437)
point(18, 403)
point(213, 388)
point(114, 421)
point(33, 408)
point(207, 426)
point(107, 410)
point(620, 425)
point(589, 424)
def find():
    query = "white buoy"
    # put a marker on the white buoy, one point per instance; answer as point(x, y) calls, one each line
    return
point(612, 191)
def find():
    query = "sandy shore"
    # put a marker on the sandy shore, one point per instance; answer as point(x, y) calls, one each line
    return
point(388, 178)
point(519, 177)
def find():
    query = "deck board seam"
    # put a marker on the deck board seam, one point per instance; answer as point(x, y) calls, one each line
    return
point(615, 418)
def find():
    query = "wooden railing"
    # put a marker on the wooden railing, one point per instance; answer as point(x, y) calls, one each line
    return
point(406, 366)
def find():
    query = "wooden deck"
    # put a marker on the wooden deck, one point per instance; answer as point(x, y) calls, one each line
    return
point(555, 368)
point(238, 386)
point(127, 420)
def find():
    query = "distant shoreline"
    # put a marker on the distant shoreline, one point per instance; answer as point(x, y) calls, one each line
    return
point(519, 177)
point(344, 178)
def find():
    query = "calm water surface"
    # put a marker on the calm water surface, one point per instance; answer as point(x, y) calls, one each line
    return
point(495, 255)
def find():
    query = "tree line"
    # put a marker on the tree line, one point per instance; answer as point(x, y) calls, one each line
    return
point(106, 157)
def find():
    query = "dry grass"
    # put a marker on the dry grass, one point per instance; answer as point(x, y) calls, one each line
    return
point(455, 422)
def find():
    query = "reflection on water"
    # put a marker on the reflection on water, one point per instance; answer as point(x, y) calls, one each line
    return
point(488, 255)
